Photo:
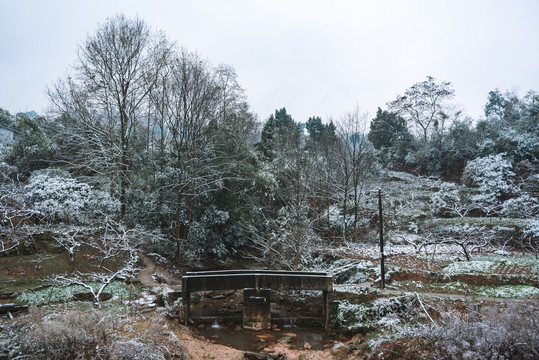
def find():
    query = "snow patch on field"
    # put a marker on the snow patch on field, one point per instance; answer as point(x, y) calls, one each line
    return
point(468, 267)
point(509, 291)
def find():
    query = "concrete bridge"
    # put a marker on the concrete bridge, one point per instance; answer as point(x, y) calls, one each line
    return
point(257, 285)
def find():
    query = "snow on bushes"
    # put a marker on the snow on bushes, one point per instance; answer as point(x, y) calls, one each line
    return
point(389, 313)
point(523, 206)
point(450, 201)
point(491, 333)
point(59, 197)
point(492, 175)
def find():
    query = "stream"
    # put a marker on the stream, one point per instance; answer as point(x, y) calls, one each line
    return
point(248, 340)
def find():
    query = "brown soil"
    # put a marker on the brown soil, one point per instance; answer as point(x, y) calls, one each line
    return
point(200, 348)
point(412, 262)
point(150, 267)
point(497, 279)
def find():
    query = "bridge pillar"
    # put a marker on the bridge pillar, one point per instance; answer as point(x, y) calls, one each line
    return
point(256, 309)
point(325, 309)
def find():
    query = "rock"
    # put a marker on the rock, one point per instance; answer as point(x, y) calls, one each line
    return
point(146, 303)
point(337, 347)
point(160, 278)
point(217, 297)
point(256, 356)
point(12, 308)
point(195, 298)
point(307, 346)
point(286, 339)
point(8, 295)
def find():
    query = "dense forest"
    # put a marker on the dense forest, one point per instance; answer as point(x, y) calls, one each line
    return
point(148, 138)
point(151, 134)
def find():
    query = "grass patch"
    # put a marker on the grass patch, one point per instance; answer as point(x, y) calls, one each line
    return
point(454, 287)
point(115, 307)
point(488, 222)
point(507, 291)
point(55, 294)
point(469, 267)
point(521, 260)
point(24, 272)
point(458, 287)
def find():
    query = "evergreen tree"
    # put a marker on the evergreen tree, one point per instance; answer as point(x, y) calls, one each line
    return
point(34, 148)
point(283, 120)
point(267, 140)
point(5, 118)
point(387, 129)
point(315, 127)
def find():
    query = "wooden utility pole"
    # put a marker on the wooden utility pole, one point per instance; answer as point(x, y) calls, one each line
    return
point(382, 270)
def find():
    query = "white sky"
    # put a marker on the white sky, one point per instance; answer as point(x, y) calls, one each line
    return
point(313, 57)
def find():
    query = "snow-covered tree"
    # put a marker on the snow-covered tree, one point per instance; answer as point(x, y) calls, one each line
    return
point(523, 206)
point(57, 196)
point(449, 201)
point(286, 242)
point(492, 176)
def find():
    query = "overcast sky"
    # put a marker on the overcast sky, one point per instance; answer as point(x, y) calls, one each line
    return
point(313, 57)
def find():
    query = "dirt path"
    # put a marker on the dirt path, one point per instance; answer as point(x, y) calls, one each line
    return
point(150, 267)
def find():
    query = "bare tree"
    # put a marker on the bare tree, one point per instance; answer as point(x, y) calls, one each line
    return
point(117, 241)
point(357, 163)
point(105, 99)
point(85, 280)
point(67, 240)
point(423, 104)
point(188, 101)
point(231, 95)
point(14, 213)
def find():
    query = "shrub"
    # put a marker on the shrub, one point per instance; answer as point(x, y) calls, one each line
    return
point(135, 349)
point(523, 206)
point(492, 334)
point(58, 197)
point(493, 177)
point(86, 335)
point(388, 313)
point(72, 335)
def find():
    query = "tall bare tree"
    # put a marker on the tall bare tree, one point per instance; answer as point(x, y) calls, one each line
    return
point(357, 163)
point(105, 99)
point(423, 104)
point(189, 102)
